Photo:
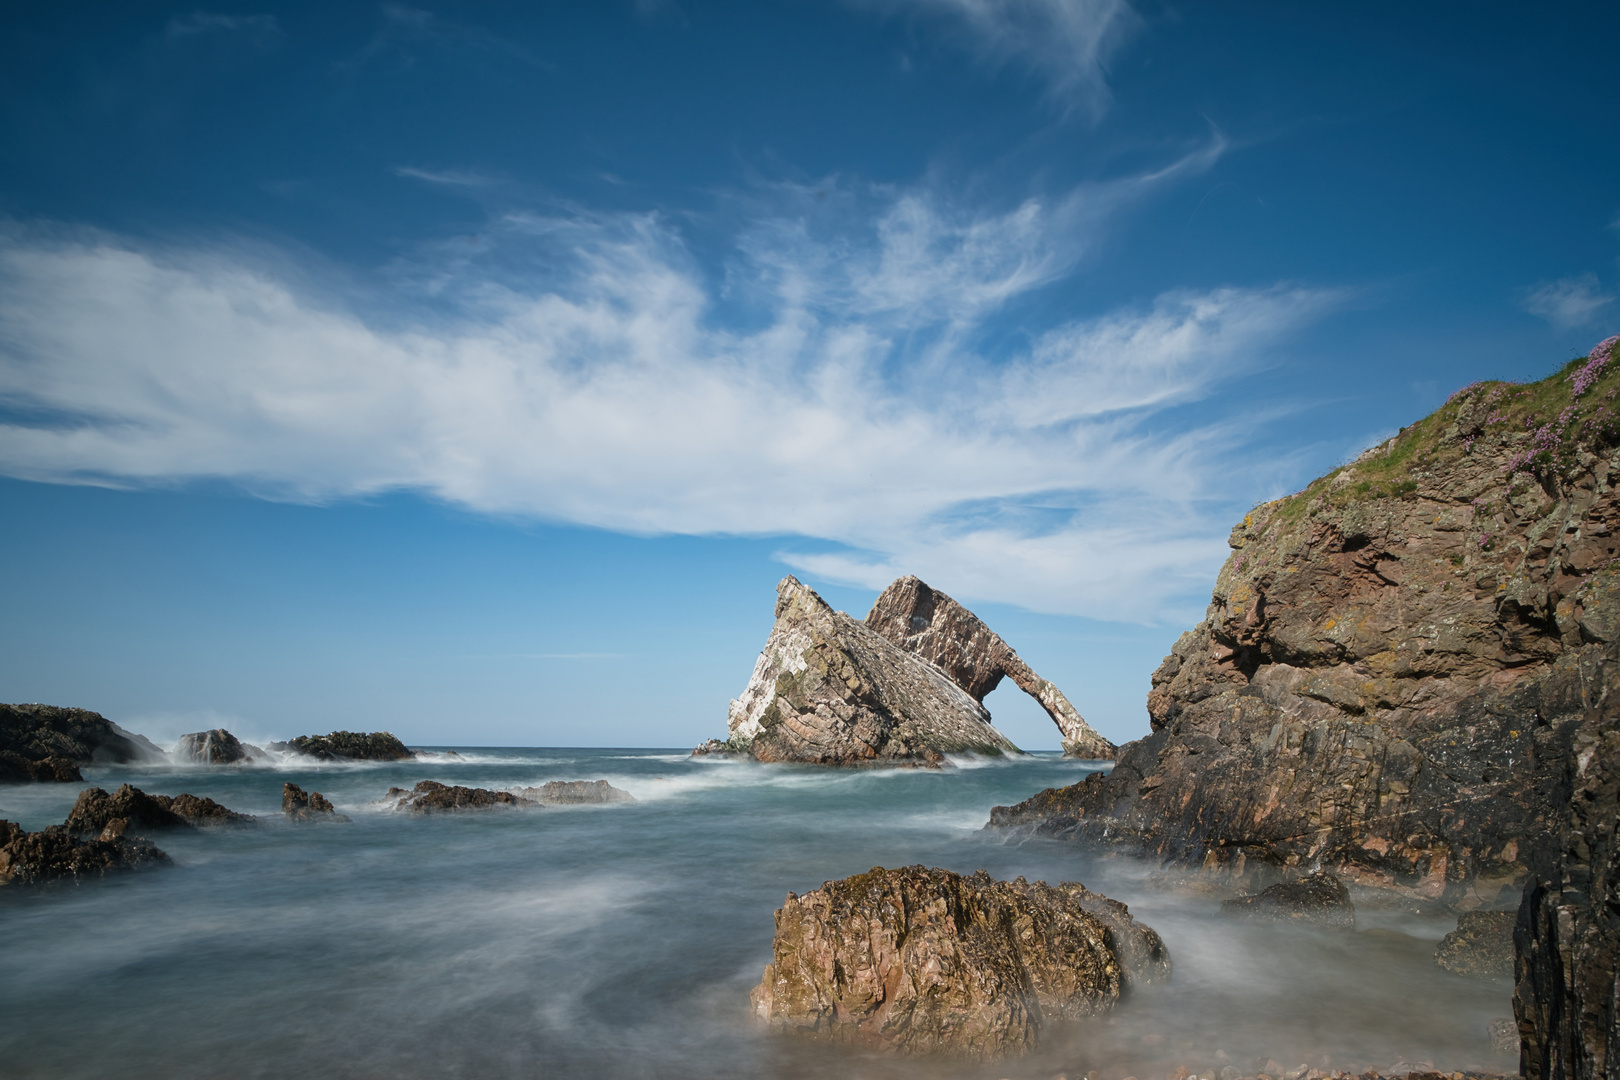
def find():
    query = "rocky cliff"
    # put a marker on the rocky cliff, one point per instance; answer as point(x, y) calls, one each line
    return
point(1393, 662)
point(47, 742)
point(916, 959)
point(930, 624)
point(828, 690)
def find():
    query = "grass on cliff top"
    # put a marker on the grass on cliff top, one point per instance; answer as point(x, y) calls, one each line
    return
point(1558, 420)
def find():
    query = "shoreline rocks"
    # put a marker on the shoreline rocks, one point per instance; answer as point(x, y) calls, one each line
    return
point(827, 690)
point(1319, 900)
point(309, 807)
point(48, 743)
point(1481, 947)
point(56, 852)
point(432, 797)
point(95, 810)
point(348, 746)
point(217, 747)
point(929, 624)
point(920, 960)
point(574, 793)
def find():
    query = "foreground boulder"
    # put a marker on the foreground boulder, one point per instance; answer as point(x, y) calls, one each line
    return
point(307, 806)
point(827, 690)
point(575, 792)
point(1393, 662)
point(32, 858)
point(1481, 947)
point(217, 747)
point(1317, 900)
point(49, 743)
point(348, 746)
point(926, 622)
point(139, 812)
point(920, 960)
point(430, 797)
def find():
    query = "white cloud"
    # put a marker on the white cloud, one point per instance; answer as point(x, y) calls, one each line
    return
point(845, 397)
point(1066, 42)
point(1568, 303)
point(203, 22)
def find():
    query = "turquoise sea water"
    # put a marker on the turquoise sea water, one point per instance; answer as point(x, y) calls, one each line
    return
point(621, 941)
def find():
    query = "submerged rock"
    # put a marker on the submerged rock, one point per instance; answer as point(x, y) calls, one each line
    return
point(827, 690)
point(569, 792)
point(139, 812)
point(919, 960)
point(1392, 664)
point(1317, 900)
point(31, 858)
point(1481, 947)
point(49, 743)
point(348, 746)
point(430, 796)
point(300, 805)
point(216, 747)
point(926, 622)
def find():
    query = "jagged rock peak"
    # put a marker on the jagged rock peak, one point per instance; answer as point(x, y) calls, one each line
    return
point(827, 690)
point(930, 624)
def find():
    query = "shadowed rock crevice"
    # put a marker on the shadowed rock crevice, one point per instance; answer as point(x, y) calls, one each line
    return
point(926, 622)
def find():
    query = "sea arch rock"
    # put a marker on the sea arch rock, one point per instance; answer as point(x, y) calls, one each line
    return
point(926, 622)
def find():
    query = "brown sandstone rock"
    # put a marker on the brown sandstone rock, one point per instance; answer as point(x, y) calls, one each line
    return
point(1393, 663)
point(430, 796)
point(32, 858)
point(1315, 900)
point(94, 810)
point(930, 624)
point(1481, 947)
point(919, 960)
point(828, 690)
point(312, 806)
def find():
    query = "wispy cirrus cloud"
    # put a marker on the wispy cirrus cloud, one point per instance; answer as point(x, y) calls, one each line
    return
point(584, 368)
point(1569, 303)
point(1066, 43)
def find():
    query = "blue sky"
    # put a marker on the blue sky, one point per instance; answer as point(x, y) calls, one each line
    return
point(474, 371)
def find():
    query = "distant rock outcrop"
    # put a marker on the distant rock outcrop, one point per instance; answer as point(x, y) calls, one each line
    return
point(1393, 663)
point(921, 960)
point(217, 747)
point(46, 742)
point(32, 858)
point(348, 746)
point(139, 812)
point(574, 792)
point(828, 690)
point(430, 796)
point(310, 806)
point(1317, 900)
point(925, 621)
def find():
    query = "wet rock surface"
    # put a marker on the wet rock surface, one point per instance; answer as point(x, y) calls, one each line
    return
point(430, 796)
point(95, 810)
point(307, 806)
point(56, 852)
point(216, 747)
point(828, 690)
point(1316, 900)
point(922, 960)
point(1481, 947)
point(49, 743)
point(348, 746)
point(924, 621)
point(574, 792)
point(1392, 666)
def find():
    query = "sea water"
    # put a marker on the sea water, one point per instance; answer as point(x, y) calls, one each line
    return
point(622, 940)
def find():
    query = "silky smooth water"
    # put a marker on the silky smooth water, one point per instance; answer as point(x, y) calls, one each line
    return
point(622, 940)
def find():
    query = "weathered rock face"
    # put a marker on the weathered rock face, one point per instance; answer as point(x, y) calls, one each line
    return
point(1567, 939)
point(45, 742)
point(216, 747)
point(139, 812)
point(310, 806)
point(1393, 663)
point(920, 960)
point(574, 792)
point(1316, 900)
point(1481, 947)
point(32, 858)
point(348, 746)
point(930, 624)
point(431, 797)
point(827, 690)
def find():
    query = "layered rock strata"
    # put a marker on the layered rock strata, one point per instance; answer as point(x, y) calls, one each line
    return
point(430, 796)
point(348, 746)
point(95, 810)
point(921, 960)
point(828, 690)
point(926, 622)
point(49, 743)
point(56, 852)
point(1393, 662)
